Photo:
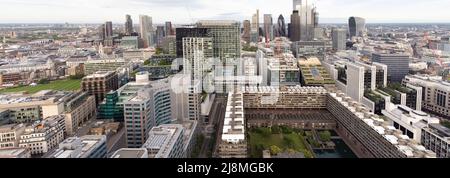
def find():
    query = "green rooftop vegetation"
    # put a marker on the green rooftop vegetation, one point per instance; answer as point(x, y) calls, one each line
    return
point(62, 85)
point(446, 124)
point(373, 96)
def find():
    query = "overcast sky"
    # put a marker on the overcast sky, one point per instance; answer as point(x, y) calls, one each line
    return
point(189, 11)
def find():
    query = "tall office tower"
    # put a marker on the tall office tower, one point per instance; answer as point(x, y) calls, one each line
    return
point(196, 52)
point(169, 29)
point(356, 26)
point(294, 29)
point(146, 30)
point(281, 28)
point(101, 32)
point(307, 21)
point(128, 25)
point(188, 32)
point(159, 35)
point(296, 5)
point(226, 38)
point(99, 84)
point(339, 37)
point(246, 35)
point(108, 30)
point(398, 65)
point(268, 27)
point(255, 27)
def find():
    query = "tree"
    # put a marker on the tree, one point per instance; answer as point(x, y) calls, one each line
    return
point(276, 129)
point(147, 62)
point(325, 136)
point(274, 150)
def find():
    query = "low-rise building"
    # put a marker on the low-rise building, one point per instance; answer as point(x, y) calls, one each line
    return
point(131, 153)
point(166, 141)
point(43, 136)
point(10, 135)
point(15, 153)
point(88, 146)
point(437, 138)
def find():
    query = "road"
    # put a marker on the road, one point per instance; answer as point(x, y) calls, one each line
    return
point(211, 129)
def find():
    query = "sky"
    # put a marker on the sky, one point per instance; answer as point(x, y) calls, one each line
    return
point(189, 11)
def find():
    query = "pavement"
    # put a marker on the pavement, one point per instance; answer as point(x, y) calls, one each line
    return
point(211, 129)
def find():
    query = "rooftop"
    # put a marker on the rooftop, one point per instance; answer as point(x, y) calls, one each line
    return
point(131, 153)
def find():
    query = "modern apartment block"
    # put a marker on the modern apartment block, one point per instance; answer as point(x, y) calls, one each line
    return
point(99, 84)
point(437, 138)
point(88, 146)
point(44, 136)
point(166, 141)
point(435, 93)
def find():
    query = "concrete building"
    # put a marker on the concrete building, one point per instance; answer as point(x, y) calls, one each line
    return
point(435, 93)
point(88, 146)
point(398, 65)
point(129, 42)
point(166, 141)
point(246, 35)
point(15, 153)
point(233, 143)
point(409, 121)
point(29, 108)
point(146, 30)
point(149, 107)
point(44, 136)
point(99, 84)
point(10, 135)
point(339, 37)
point(197, 58)
point(309, 49)
point(437, 138)
point(79, 108)
point(255, 27)
point(131, 153)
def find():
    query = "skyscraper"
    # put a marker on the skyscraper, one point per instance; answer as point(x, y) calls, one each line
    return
point(307, 21)
point(296, 4)
point(108, 30)
point(226, 37)
point(247, 30)
point(101, 32)
point(255, 27)
point(146, 30)
point(294, 29)
point(268, 27)
point(281, 28)
point(160, 33)
point(128, 25)
point(188, 32)
point(356, 26)
point(339, 37)
point(168, 29)
point(398, 65)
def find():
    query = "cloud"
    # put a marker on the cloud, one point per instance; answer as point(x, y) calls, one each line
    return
point(188, 11)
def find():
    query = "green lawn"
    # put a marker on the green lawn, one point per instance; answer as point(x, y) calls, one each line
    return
point(259, 141)
point(64, 85)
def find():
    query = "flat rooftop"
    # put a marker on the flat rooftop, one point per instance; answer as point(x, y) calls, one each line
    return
point(130, 153)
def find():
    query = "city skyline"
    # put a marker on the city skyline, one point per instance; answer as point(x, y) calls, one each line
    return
point(185, 12)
